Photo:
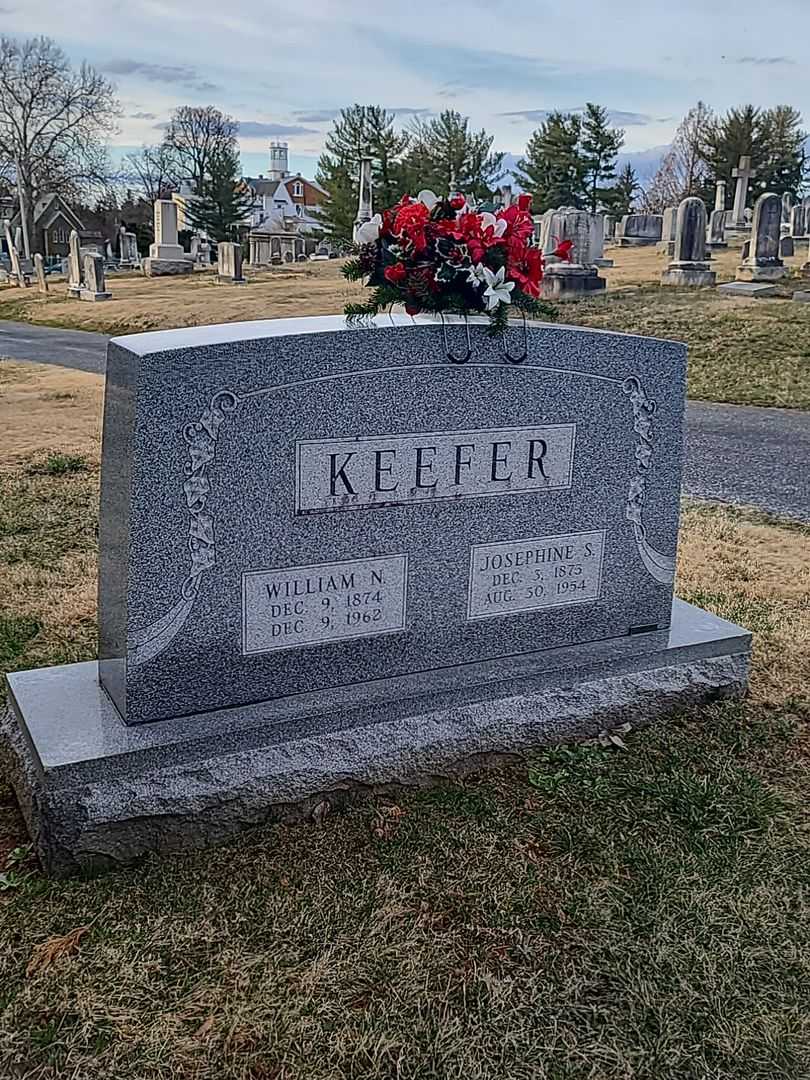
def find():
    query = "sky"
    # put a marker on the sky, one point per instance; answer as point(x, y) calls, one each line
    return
point(284, 67)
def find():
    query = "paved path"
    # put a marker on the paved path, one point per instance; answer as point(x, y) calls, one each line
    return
point(47, 345)
point(734, 453)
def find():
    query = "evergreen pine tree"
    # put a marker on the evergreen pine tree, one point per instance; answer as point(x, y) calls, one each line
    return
point(620, 198)
point(600, 143)
point(221, 204)
point(553, 169)
point(359, 128)
point(785, 166)
point(737, 134)
point(444, 154)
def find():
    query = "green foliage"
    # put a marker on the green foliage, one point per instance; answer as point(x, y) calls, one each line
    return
point(553, 169)
point(599, 146)
point(620, 198)
point(772, 138)
point(369, 128)
point(446, 156)
point(222, 204)
point(58, 465)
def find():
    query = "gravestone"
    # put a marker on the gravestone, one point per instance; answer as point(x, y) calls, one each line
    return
point(717, 230)
point(720, 195)
point(747, 290)
point(666, 245)
point(763, 262)
point(331, 558)
point(787, 207)
point(229, 264)
point(166, 256)
point(571, 279)
point(39, 270)
point(14, 257)
point(800, 220)
point(639, 230)
point(787, 248)
point(74, 265)
point(689, 265)
point(743, 175)
point(128, 248)
point(94, 284)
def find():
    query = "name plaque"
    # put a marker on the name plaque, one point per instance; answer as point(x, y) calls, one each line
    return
point(391, 470)
point(313, 605)
point(513, 576)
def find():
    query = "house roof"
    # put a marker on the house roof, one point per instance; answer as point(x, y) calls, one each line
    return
point(47, 209)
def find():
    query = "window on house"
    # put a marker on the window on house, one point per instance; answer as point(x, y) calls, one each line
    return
point(60, 236)
point(298, 188)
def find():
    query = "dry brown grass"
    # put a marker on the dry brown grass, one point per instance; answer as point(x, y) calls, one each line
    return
point(140, 303)
point(43, 407)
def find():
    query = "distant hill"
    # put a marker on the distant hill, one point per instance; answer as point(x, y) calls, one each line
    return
point(645, 162)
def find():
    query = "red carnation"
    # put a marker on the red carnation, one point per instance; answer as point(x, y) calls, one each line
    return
point(412, 309)
point(524, 203)
point(396, 273)
point(457, 202)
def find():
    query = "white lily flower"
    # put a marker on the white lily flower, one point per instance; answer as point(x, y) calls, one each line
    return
point(498, 225)
point(498, 291)
point(476, 275)
point(427, 198)
point(369, 231)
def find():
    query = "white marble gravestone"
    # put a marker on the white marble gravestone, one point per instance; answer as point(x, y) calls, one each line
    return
point(166, 255)
point(333, 557)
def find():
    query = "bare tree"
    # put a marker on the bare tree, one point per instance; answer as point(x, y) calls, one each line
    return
point(153, 170)
point(54, 120)
point(684, 171)
point(197, 134)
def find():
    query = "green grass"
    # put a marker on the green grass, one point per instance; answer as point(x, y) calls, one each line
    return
point(752, 354)
point(48, 510)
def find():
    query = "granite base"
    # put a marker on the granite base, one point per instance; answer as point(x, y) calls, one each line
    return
point(161, 267)
point(638, 241)
point(747, 289)
point(96, 793)
point(761, 272)
point(696, 277)
point(563, 283)
point(88, 294)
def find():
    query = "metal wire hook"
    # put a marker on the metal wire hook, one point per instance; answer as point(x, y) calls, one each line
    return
point(517, 359)
point(450, 356)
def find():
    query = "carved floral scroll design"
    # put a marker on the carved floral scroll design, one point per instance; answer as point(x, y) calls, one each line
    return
point(661, 567)
point(201, 438)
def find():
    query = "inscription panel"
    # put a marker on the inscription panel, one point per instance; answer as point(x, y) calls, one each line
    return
point(313, 605)
point(511, 576)
point(391, 470)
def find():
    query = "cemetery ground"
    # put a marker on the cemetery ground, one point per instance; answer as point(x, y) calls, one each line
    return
point(750, 352)
point(635, 907)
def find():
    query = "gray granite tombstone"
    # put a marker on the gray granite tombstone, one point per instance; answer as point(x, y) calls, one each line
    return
point(638, 230)
point(229, 264)
point(787, 248)
point(689, 265)
point(94, 282)
point(333, 557)
point(571, 279)
point(716, 239)
point(666, 246)
point(763, 262)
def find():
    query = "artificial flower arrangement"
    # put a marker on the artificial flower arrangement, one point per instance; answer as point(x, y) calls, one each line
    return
point(446, 256)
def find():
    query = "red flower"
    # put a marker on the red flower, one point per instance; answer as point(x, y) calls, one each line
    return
point(410, 223)
point(412, 309)
point(525, 266)
point(563, 250)
point(457, 202)
point(524, 203)
point(396, 273)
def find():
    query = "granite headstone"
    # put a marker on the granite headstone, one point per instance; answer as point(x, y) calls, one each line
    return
point(689, 266)
point(333, 557)
point(764, 262)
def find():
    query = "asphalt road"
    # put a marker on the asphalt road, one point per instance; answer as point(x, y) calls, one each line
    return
point(734, 453)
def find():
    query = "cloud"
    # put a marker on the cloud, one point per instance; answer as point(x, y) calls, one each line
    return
point(161, 73)
point(615, 116)
point(768, 61)
point(257, 129)
point(317, 116)
point(143, 116)
point(407, 110)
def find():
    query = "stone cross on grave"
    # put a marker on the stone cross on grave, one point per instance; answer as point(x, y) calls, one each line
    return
point(365, 210)
point(743, 175)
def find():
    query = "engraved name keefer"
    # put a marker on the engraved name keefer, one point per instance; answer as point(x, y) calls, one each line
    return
point(385, 470)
